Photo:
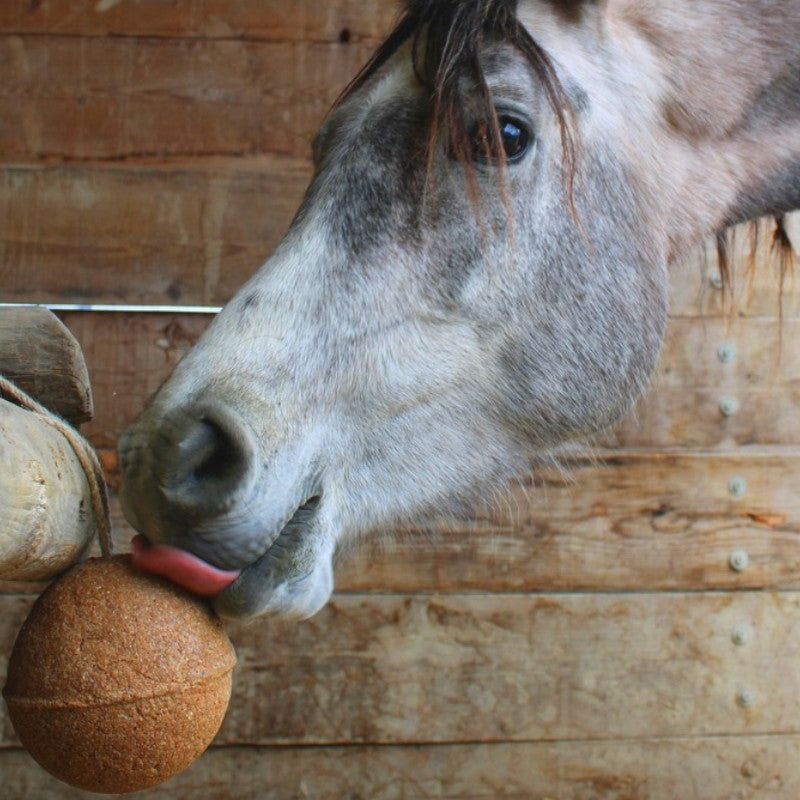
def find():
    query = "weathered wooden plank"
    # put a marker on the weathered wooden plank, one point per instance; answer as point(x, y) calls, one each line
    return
point(703, 768)
point(472, 668)
point(142, 235)
point(485, 667)
point(600, 546)
point(728, 353)
point(720, 382)
point(126, 98)
point(41, 356)
point(302, 20)
point(710, 417)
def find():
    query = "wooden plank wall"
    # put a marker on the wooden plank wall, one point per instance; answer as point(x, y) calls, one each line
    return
point(624, 627)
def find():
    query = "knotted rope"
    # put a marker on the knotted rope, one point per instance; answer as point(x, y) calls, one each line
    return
point(85, 453)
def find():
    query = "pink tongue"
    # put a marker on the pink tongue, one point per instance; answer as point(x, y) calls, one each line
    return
point(183, 568)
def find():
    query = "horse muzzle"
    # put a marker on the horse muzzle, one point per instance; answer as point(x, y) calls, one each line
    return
point(194, 478)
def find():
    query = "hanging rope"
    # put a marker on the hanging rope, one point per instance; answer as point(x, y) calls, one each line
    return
point(85, 453)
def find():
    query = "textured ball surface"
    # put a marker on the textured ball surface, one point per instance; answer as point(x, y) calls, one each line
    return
point(117, 680)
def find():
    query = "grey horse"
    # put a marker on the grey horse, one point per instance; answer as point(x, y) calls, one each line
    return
point(476, 275)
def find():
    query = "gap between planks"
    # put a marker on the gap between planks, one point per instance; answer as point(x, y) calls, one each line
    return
point(249, 38)
point(498, 742)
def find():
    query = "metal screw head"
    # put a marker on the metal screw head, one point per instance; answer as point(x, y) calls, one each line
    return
point(726, 352)
point(741, 634)
point(746, 697)
point(728, 405)
point(737, 486)
point(739, 560)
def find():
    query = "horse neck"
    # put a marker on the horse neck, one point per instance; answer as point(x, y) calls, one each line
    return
point(702, 97)
point(728, 73)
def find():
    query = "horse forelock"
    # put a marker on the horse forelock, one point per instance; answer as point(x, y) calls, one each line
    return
point(447, 38)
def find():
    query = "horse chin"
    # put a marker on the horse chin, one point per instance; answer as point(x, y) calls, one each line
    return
point(292, 579)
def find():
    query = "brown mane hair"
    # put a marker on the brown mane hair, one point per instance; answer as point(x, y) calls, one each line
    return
point(446, 38)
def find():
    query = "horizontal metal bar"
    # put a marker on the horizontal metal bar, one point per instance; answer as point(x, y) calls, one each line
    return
point(112, 308)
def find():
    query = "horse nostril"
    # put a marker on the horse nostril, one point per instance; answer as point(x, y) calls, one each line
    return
point(203, 459)
point(208, 453)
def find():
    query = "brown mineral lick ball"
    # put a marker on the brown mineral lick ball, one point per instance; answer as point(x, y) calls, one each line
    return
point(117, 680)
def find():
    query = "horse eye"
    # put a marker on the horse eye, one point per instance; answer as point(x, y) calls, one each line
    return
point(514, 137)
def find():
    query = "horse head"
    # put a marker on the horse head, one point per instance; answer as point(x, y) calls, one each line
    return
point(477, 274)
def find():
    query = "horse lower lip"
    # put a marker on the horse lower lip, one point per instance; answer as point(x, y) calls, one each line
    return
point(300, 519)
point(255, 571)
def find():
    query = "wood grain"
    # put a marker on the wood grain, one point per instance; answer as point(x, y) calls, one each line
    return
point(696, 768)
point(719, 382)
point(479, 668)
point(636, 522)
point(47, 519)
point(120, 98)
point(40, 355)
point(299, 20)
point(145, 234)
